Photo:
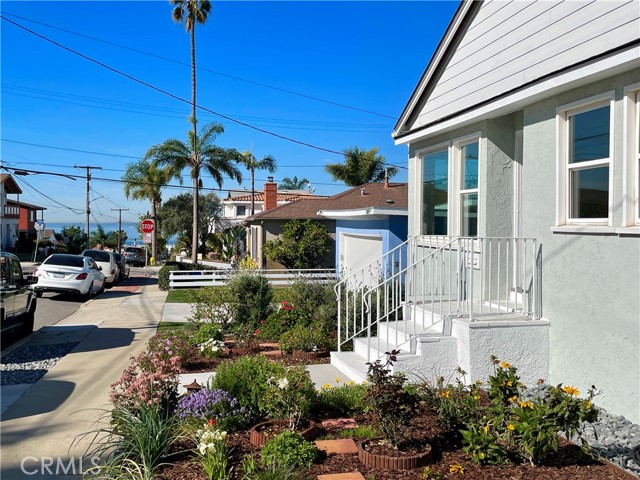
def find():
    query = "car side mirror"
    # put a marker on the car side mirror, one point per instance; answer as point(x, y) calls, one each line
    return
point(31, 280)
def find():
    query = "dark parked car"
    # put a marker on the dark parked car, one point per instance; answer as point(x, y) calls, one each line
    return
point(17, 299)
point(135, 256)
point(123, 268)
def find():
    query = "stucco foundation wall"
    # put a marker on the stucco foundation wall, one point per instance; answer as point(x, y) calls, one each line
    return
point(591, 282)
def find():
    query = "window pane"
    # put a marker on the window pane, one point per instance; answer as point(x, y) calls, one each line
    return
point(469, 215)
point(470, 166)
point(590, 193)
point(435, 193)
point(589, 135)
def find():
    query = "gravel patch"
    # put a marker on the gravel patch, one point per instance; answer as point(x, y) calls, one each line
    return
point(29, 363)
point(613, 436)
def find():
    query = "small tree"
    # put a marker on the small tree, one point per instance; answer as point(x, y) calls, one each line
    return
point(303, 244)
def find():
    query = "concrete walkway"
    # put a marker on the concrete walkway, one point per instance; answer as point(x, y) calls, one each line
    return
point(42, 432)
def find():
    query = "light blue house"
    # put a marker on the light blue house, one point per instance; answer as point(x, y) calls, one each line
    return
point(524, 204)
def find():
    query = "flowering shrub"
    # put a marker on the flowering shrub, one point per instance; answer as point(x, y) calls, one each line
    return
point(217, 405)
point(212, 348)
point(392, 405)
point(212, 305)
point(205, 332)
point(290, 396)
point(245, 334)
point(152, 376)
point(212, 451)
point(529, 426)
point(246, 380)
point(278, 322)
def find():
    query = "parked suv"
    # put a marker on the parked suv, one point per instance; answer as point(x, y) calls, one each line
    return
point(135, 256)
point(17, 299)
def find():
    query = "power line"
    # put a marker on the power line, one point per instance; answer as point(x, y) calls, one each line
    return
point(71, 149)
point(291, 92)
point(169, 94)
point(74, 210)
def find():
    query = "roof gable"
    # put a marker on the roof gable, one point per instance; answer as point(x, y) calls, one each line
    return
point(493, 47)
point(9, 185)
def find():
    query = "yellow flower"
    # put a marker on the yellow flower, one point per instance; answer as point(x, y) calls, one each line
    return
point(569, 390)
point(505, 365)
point(510, 427)
point(456, 469)
point(479, 382)
point(513, 399)
point(486, 428)
point(476, 397)
point(508, 383)
point(327, 386)
point(526, 404)
point(445, 394)
point(337, 380)
point(588, 405)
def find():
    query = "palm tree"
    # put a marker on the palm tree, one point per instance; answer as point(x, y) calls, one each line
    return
point(360, 167)
point(144, 181)
point(206, 155)
point(252, 164)
point(293, 183)
point(191, 12)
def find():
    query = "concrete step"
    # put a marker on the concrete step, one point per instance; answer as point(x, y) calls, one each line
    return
point(351, 364)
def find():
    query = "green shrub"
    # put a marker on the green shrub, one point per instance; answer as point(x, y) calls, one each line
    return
point(246, 380)
point(306, 338)
point(344, 400)
point(480, 439)
point(308, 296)
point(205, 332)
point(251, 295)
point(290, 396)
point(163, 277)
point(212, 305)
point(281, 320)
point(288, 450)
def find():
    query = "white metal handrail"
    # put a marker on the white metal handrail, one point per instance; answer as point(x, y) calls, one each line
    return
point(439, 277)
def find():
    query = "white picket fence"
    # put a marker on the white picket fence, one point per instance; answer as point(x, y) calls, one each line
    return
point(213, 278)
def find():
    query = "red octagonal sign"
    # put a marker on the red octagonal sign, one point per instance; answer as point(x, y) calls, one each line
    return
point(147, 226)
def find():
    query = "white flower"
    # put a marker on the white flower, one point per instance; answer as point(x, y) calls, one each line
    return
point(283, 383)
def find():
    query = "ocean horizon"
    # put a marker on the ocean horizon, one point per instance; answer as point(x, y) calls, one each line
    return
point(133, 235)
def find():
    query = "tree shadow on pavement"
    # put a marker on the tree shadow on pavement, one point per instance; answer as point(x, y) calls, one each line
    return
point(43, 397)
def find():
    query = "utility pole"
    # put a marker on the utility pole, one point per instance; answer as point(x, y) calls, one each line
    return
point(119, 210)
point(88, 209)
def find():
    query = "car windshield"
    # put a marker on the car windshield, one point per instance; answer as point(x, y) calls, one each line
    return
point(65, 260)
point(98, 255)
point(137, 251)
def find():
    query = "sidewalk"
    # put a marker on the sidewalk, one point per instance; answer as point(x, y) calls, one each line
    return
point(42, 431)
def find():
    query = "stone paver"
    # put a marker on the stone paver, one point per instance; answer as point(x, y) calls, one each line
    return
point(342, 476)
point(343, 446)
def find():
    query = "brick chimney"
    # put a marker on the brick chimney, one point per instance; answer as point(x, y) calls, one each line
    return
point(270, 194)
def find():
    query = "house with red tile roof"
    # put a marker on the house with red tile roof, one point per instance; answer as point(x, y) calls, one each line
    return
point(364, 222)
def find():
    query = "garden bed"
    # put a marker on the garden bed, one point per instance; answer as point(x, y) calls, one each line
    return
point(567, 464)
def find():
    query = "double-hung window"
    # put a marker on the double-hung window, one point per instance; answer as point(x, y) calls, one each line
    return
point(584, 166)
point(468, 191)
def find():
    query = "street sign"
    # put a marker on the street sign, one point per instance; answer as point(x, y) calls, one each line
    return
point(146, 238)
point(147, 226)
point(39, 225)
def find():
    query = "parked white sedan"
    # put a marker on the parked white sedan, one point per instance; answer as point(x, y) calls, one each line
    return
point(66, 273)
point(106, 260)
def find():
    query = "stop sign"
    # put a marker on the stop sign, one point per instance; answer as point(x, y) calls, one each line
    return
point(147, 226)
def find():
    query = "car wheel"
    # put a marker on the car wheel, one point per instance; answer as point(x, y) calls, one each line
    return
point(101, 289)
point(89, 294)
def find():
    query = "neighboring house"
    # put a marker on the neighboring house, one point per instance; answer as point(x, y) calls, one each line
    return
point(371, 220)
point(9, 213)
point(267, 226)
point(238, 208)
point(524, 216)
point(28, 216)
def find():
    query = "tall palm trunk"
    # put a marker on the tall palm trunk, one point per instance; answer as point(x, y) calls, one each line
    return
point(154, 248)
point(194, 240)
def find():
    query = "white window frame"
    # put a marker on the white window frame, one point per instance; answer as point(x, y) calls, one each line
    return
point(564, 168)
point(455, 196)
point(419, 155)
point(631, 158)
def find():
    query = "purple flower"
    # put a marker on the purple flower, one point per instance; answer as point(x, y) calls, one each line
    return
point(216, 404)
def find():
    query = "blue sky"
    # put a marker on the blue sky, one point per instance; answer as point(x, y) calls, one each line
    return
point(367, 55)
